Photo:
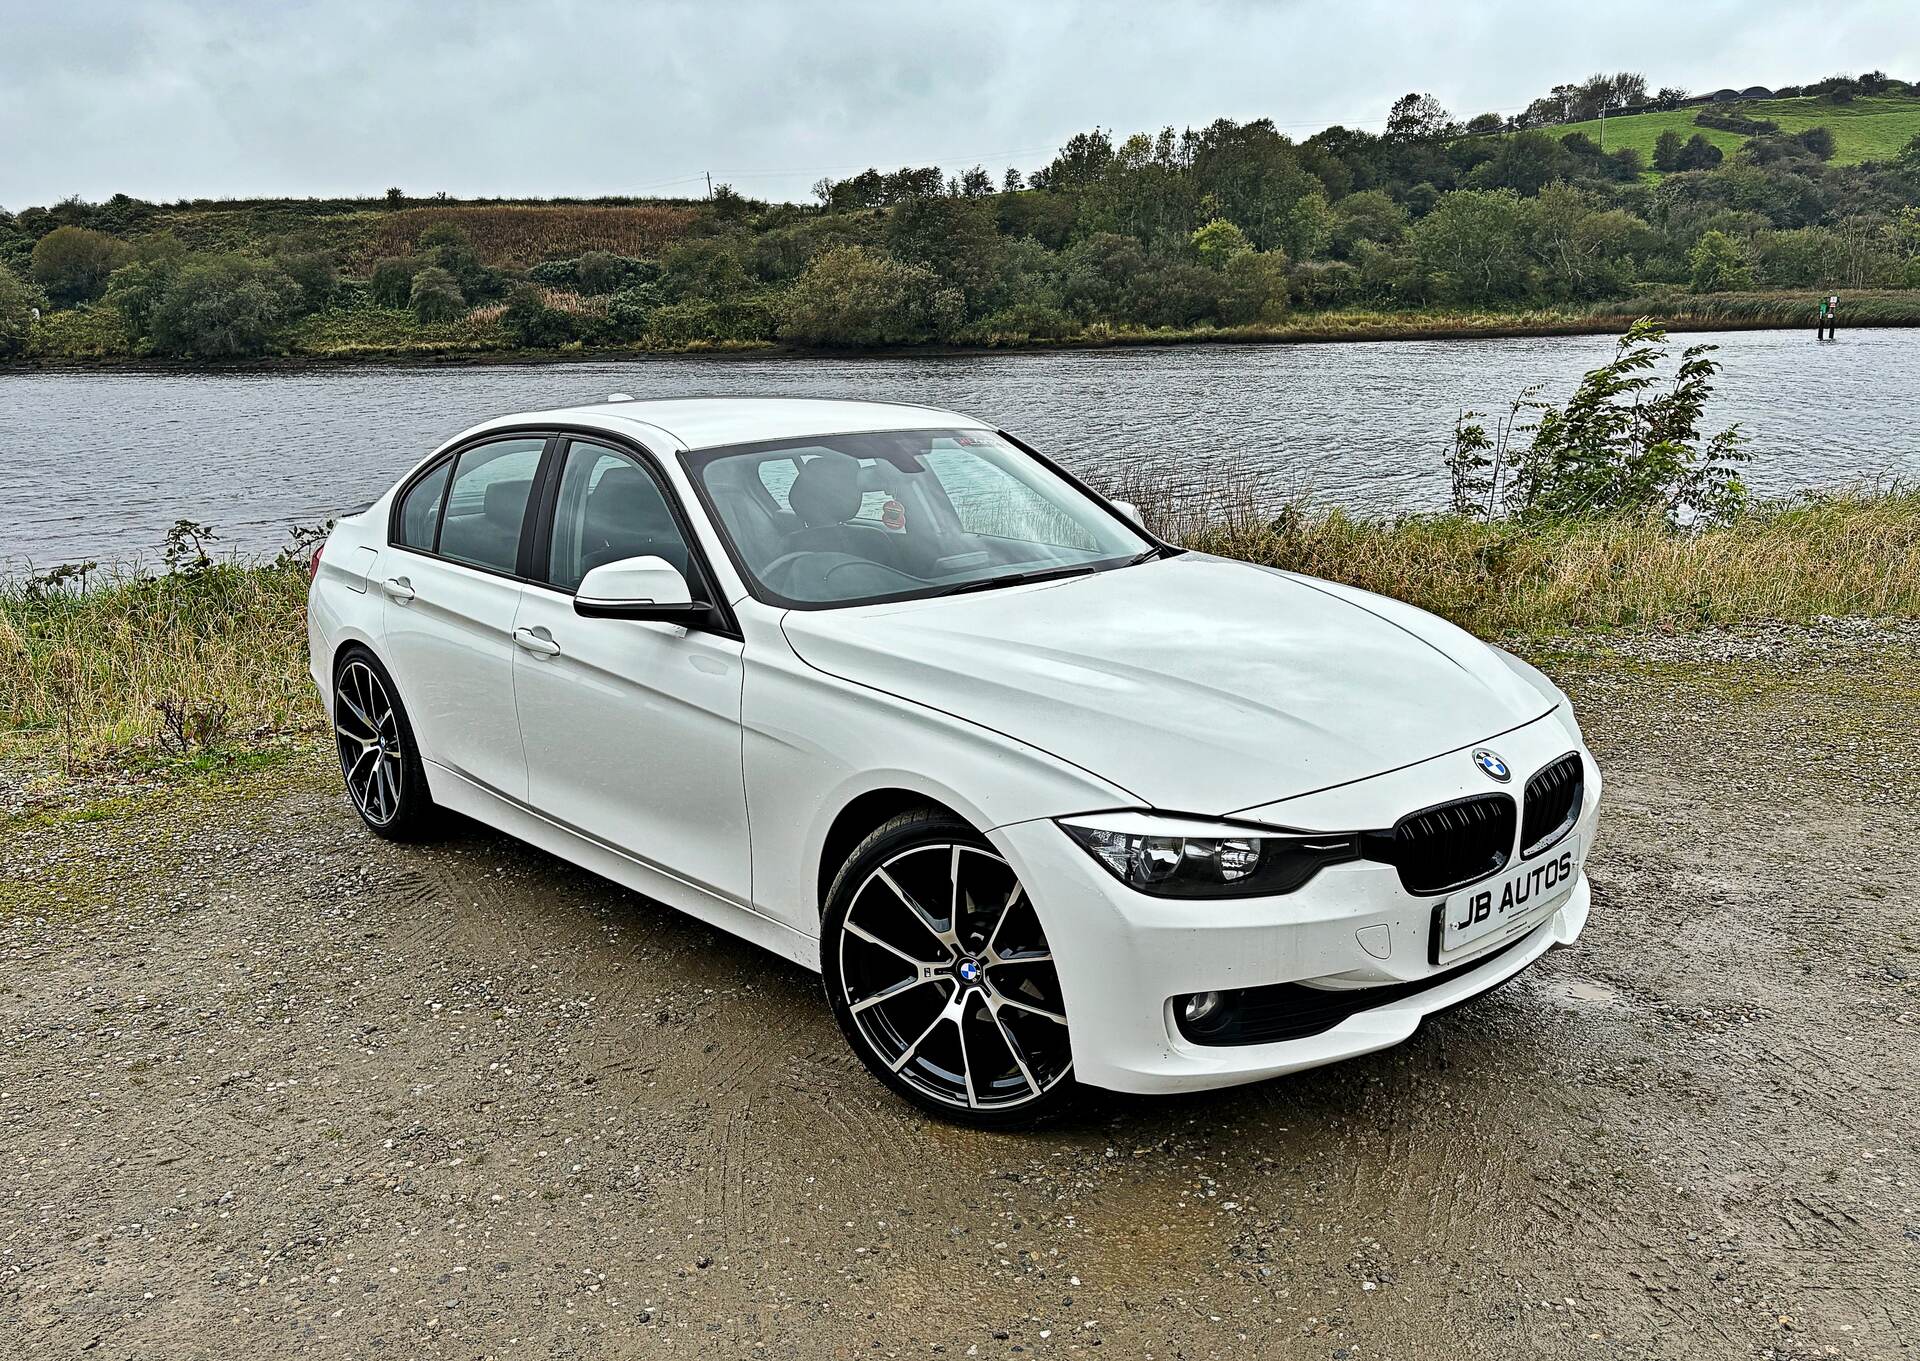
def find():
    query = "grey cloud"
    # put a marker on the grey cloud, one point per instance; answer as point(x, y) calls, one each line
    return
point(169, 99)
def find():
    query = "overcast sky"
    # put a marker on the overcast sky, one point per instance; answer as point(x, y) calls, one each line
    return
point(191, 98)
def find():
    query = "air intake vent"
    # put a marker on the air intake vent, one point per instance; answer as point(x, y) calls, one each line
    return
point(1553, 803)
point(1293, 1011)
point(1441, 848)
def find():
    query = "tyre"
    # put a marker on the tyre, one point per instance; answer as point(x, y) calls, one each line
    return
point(941, 977)
point(379, 760)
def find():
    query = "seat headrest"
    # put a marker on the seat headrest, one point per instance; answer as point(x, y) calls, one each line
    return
point(506, 501)
point(827, 490)
point(626, 499)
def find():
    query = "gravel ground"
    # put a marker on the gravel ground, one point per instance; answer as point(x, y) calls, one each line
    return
point(269, 1086)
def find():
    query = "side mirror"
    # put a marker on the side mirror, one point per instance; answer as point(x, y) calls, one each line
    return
point(637, 588)
point(1131, 511)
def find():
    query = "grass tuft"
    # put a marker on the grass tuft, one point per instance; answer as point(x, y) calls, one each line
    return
point(1845, 553)
point(182, 664)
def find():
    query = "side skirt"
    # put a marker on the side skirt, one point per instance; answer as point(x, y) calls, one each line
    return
point(453, 790)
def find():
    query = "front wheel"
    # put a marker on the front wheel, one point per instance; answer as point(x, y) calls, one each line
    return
point(941, 977)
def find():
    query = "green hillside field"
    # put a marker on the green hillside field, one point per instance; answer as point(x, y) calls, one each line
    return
point(1871, 128)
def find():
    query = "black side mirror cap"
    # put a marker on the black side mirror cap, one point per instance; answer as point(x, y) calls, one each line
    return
point(689, 612)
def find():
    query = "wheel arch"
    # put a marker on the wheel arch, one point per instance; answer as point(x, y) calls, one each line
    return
point(356, 641)
point(351, 641)
point(858, 817)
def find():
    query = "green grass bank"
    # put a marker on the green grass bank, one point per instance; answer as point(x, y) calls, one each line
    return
point(210, 665)
point(1870, 128)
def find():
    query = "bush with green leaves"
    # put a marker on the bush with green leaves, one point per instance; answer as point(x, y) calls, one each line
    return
point(95, 331)
point(315, 272)
point(1172, 293)
point(391, 282)
point(533, 323)
point(595, 273)
point(553, 274)
point(136, 289)
point(445, 245)
point(1257, 285)
point(727, 321)
point(1719, 263)
point(1216, 242)
point(598, 272)
point(1735, 122)
point(629, 312)
point(72, 264)
point(704, 267)
point(853, 296)
point(1474, 248)
point(17, 301)
point(223, 306)
point(435, 295)
point(1023, 321)
point(1326, 283)
point(1628, 442)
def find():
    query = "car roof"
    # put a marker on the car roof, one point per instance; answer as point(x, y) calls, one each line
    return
point(705, 422)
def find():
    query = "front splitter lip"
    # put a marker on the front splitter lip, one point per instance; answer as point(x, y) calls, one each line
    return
point(1186, 1066)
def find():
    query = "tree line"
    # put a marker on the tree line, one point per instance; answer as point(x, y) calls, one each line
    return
point(1230, 225)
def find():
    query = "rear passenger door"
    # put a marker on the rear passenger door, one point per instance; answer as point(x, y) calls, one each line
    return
point(463, 529)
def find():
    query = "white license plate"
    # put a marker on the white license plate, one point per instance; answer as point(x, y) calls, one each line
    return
point(1515, 900)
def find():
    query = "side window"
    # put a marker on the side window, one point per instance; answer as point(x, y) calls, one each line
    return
point(610, 508)
point(487, 503)
point(420, 511)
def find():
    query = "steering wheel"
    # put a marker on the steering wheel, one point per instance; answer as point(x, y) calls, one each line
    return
point(779, 573)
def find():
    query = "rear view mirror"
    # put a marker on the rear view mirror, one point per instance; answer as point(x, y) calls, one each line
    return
point(637, 588)
point(1131, 511)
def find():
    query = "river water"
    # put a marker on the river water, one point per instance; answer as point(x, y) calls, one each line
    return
point(99, 465)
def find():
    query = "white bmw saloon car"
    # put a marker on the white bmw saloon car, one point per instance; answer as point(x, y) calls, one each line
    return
point(1045, 800)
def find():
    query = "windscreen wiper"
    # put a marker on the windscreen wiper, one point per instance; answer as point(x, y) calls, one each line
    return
point(1016, 579)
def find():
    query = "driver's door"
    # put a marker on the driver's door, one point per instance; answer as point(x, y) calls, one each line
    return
point(631, 728)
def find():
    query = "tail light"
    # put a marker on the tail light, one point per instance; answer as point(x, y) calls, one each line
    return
point(313, 563)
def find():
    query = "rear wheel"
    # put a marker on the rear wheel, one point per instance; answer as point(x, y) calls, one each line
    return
point(942, 978)
point(379, 759)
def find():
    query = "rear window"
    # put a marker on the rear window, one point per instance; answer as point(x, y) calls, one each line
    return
point(420, 511)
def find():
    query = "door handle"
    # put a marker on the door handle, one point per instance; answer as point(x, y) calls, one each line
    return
point(398, 589)
point(537, 641)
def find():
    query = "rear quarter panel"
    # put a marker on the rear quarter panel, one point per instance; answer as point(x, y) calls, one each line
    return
point(344, 603)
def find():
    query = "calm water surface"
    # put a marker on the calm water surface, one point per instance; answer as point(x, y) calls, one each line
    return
point(98, 465)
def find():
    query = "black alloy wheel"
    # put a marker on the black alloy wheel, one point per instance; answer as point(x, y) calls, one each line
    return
point(378, 757)
point(941, 976)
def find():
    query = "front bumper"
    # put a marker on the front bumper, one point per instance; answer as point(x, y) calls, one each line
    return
point(1124, 958)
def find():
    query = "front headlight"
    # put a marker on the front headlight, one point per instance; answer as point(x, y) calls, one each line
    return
point(1175, 857)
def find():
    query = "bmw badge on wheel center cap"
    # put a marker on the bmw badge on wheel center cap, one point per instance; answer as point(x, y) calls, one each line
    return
point(1491, 765)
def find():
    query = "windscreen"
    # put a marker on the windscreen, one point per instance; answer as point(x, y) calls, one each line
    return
point(845, 519)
